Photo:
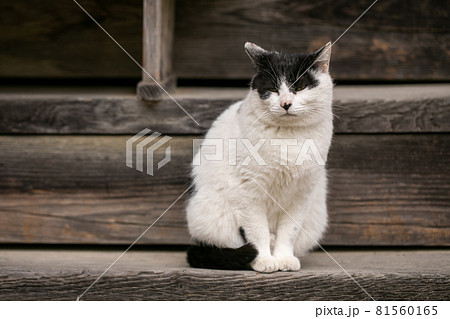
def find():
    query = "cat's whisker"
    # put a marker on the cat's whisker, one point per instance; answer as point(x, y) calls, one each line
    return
point(336, 116)
point(340, 106)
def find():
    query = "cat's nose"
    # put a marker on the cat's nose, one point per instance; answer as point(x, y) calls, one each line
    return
point(286, 106)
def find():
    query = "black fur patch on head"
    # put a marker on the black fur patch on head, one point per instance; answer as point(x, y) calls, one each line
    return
point(273, 67)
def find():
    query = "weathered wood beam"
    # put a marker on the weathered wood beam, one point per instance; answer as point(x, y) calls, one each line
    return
point(383, 190)
point(157, 49)
point(158, 275)
point(359, 109)
point(395, 40)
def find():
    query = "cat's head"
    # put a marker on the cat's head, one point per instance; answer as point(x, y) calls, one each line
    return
point(290, 89)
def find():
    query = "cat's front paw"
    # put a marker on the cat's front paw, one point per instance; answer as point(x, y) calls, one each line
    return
point(265, 264)
point(288, 263)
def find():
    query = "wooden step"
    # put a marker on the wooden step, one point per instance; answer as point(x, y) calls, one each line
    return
point(384, 190)
point(55, 274)
point(359, 109)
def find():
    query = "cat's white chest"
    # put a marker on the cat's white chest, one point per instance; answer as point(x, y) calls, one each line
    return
point(296, 153)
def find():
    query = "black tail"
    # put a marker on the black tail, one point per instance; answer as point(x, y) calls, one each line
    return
point(207, 256)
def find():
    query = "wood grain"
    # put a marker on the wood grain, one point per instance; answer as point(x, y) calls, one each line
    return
point(149, 275)
point(395, 40)
point(384, 190)
point(358, 109)
point(157, 49)
point(56, 39)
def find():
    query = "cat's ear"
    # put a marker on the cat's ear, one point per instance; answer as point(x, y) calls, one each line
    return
point(322, 58)
point(254, 52)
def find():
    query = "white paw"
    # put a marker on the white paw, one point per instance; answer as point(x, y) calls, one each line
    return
point(265, 264)
point(288, 263)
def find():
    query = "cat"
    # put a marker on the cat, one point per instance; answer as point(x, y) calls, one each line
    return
point(264, 215)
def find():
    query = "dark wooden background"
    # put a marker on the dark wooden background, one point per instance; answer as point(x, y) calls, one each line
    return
point(395, 40)
point(63, 177)
point(384, 190)
point(62, 173)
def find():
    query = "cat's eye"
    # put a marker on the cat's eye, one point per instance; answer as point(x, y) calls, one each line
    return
point(300, 88)
point(273, 90)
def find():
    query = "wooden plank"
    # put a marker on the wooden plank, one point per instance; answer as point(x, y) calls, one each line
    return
point(395, 40)
point(58, 40)
point(384, 190)
point(158, 275)
point(157, 49)
point(358, 109)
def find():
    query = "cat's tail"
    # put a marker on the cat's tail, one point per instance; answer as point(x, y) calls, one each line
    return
point(207, 256)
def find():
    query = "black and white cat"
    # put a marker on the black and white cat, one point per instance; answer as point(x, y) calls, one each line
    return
point(265, 214)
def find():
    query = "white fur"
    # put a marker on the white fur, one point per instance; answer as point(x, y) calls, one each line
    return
point(227, 197)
